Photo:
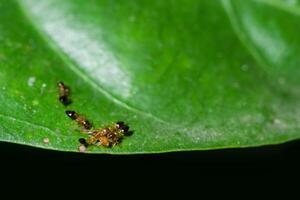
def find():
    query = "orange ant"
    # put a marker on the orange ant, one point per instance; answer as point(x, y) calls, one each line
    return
point(64, 92)
point(80, 120)
point(107, 136)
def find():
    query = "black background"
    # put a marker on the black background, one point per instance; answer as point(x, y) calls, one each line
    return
point(272, 160)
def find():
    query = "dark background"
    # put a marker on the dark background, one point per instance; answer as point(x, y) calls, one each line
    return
point(272, 160)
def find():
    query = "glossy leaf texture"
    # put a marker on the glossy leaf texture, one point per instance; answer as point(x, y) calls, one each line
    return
point(184, 74)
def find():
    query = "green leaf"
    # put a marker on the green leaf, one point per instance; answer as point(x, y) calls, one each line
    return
point(184, 74)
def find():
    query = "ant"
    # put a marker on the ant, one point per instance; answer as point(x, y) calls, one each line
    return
point(107, 136)
point(80, 120)
point(64, 92)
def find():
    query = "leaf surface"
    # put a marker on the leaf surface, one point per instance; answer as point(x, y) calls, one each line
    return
point(185, 75)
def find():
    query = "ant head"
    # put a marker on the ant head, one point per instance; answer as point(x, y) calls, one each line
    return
point(122, 126)
point(71, 114)
point(83, 142)
point(60, 83)
point(120, 123)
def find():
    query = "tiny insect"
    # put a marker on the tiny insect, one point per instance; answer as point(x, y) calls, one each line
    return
point(46, 140)
point(64, 93)
point(80, 119)
point(82, 148)
point(107, 136)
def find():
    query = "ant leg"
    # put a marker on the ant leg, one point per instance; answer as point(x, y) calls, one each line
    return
point(86, 131)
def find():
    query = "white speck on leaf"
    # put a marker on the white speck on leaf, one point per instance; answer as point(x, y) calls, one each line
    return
point(82, 148)
point(46, 140)
point(44, 85)
point(35, 102)
point(31, 81)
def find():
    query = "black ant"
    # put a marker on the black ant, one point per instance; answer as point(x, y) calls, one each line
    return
point(80, 119)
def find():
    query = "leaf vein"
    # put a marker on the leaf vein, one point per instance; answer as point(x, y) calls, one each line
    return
point(241, 35)
point(295, 10)
point(27, 123)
